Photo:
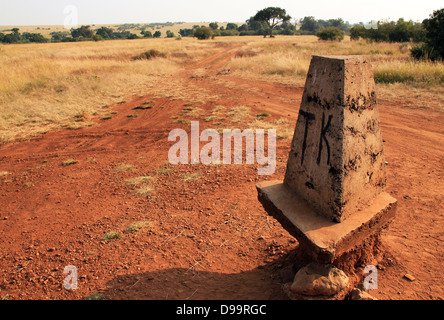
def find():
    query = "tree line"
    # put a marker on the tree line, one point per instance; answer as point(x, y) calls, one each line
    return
point(428, 35)
point(271, 21)
point(83, 33)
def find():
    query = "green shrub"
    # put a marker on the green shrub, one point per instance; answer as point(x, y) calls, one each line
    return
point(11, 38)
point(82, 32)
point(33, 37)
point(357, 32)
point(203, 33)
point(424, 52)
point(146, 34)
point(97, 37)
point(433, 48)
point(230, 32)
point(332, 33)
point(105, 33)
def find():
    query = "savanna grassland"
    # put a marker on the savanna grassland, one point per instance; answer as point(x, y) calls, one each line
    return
point(45, 86)
point(85, 179)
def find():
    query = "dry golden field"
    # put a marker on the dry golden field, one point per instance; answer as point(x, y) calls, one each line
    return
point(45, 86)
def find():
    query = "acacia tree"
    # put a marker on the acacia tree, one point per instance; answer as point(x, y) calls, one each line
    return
point(272, 16)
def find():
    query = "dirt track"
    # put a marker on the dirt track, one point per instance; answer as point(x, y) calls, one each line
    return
point(208, 238)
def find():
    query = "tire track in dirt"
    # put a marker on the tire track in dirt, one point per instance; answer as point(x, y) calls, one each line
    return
point(146, 124)
point(217, 60)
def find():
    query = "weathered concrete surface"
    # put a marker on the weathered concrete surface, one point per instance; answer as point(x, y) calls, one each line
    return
point(325, 239)
point(336, 161)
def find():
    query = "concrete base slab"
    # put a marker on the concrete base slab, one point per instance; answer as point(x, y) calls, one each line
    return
point(327, 240)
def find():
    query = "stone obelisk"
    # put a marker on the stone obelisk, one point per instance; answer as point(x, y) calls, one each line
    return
point(333, 195)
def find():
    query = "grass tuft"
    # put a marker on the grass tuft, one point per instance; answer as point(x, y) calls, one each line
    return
point(69, 162)
point(163, 170)
point(95, 296)
point(150, 54)
point(238, 114)
point(137, 226)
point(139, 180)
point(146, 190)
point(125, 167)
point(112, 235)
point(143, 107)
point(192, 176)
point(262, 115)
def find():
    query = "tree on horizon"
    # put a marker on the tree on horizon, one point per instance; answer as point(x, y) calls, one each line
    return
point(272, 16)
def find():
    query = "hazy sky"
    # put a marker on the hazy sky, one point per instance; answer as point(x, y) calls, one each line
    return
point(51, 12)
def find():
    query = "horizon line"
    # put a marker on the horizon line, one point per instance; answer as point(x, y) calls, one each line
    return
point(184, 22)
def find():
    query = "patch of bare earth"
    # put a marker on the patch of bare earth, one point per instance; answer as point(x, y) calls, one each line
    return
point(193, 231)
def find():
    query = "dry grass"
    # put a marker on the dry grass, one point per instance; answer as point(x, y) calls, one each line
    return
point(284, 127)
point(290, 56)
point(146, 190)
point(139, 180)
point(137, 226)
point(125, 167)
point(4, 173)
point(407, 71)
point(286, 60)
point(69, 162)
point(144, 185)
point(112, 235)
point(190, 111)
point(238, 114)
point(46, 86)
point(192, 176)
point(163, 170)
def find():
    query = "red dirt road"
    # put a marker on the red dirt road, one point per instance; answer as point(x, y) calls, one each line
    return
point(207, 237)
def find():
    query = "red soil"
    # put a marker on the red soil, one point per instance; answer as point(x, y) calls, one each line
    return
point(209, 238)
